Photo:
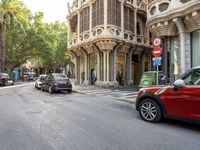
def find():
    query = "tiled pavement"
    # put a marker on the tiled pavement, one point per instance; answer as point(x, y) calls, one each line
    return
point(127, 95)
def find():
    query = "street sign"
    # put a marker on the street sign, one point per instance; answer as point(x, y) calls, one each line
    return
point(157, 62)
point(157, 51)
point(156, 58)
point(157, 42)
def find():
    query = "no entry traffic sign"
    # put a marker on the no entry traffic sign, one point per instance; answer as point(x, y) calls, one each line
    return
point(157, 51)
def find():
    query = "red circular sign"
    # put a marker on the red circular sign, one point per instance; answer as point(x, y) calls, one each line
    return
point(157, 51)
point(157, 41)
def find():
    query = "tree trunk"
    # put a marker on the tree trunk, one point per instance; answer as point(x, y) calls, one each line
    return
point(2, 47)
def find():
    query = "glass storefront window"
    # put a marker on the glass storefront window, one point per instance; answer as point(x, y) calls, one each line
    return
point(174, 58)
point(195, 48)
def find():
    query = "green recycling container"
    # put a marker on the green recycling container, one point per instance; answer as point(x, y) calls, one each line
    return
point(149, 78)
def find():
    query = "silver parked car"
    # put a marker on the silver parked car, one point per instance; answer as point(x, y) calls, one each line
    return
point(5, 79)
point(39, 81)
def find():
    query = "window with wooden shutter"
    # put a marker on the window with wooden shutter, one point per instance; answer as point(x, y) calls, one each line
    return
point(114, 12)
point(84, 19)
point(129, 19)
point(98, 13)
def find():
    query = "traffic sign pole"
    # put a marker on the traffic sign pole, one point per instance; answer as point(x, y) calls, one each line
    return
point(157, 52)
point(157, 76)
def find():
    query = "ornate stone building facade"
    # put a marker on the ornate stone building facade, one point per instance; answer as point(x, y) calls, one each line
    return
point(178, 22)
point(108, 40)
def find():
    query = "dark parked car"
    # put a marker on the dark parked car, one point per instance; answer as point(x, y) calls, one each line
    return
point(55, 82)
point(5, 79)
point(180, 100)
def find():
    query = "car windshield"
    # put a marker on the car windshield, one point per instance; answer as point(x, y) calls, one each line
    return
point(42, 78)
point(192, 77)
point(60, 76)
point(4, 75)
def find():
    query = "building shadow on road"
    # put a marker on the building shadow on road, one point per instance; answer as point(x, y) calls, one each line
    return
point(182, 124)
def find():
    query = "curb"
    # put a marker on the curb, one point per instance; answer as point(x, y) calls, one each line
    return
point(118, 99)
point(16, 86)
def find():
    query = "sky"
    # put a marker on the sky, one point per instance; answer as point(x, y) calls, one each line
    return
point(54, 10)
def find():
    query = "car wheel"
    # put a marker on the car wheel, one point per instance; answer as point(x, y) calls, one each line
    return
point(69, 91)
point(3, 83)
point(51, 90)
point(150, 111)
point(42, 89)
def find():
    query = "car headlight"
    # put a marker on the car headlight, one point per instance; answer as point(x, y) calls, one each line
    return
point(160, 91)
point(141, 91)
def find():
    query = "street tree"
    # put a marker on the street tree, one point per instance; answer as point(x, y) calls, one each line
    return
point(10, 11)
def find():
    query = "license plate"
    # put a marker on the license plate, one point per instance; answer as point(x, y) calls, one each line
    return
point(62, 82)
point(10, 82)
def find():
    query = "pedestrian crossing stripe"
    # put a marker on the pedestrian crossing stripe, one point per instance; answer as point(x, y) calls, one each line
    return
point(129, 95)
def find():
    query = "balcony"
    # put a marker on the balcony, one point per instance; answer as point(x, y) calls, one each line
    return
point(161, 8)
point(112, 32)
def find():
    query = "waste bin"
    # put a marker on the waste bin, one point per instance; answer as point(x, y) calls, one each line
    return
point(25, 78)
point(149, 78)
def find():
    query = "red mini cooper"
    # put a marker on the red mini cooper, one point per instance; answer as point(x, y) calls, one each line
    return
point(180, 100)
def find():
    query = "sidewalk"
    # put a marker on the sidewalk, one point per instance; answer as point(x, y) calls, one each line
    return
point(22, 82)
point(17, 84)
point(122, 93)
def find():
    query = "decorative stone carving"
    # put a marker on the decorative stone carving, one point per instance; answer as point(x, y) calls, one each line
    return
point(164, 28)
point(106, 44)
point(192, 21)
point(124, 48)
point(89, 48)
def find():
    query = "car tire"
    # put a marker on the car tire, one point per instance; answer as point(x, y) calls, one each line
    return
point(3, 83)
point(42, 89)
point(69, 91)
point(51, 90)
point(150, 111)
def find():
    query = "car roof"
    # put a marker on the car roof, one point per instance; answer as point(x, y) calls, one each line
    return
point(197, 67)
point(58, 74)
point(43, 75)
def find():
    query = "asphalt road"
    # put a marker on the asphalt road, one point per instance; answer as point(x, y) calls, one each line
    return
point(35, 120)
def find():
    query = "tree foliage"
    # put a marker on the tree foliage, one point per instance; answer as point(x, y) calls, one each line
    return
point(46, 43)
point(11, 11)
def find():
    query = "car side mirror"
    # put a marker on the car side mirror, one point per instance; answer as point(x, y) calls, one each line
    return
point(178, 83)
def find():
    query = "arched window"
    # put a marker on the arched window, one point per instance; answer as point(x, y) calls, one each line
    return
point(184, 1)
point(163, 7)
point(153, 10)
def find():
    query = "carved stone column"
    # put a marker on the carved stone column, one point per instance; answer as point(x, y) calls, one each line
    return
point(106, 46)
point(86, 67)
point(99, 63)
point(129, 67)
point(104, 66)
point(77, 67)
point(180, 25)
